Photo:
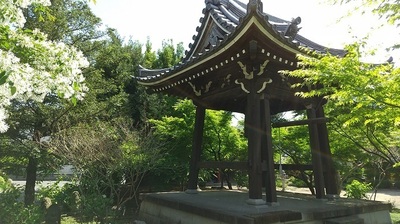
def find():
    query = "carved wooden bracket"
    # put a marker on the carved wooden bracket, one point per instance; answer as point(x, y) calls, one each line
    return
point(245, 84)
point(250, 75)
point(226, 81)
point(201, 90)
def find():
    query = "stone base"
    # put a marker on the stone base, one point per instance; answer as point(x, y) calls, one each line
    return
point(255, 201)
point(332, 196)
point(193, 191)
point(273, 204)
point(218, 207)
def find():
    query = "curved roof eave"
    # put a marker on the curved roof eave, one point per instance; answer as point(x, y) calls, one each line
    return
point(221, 13)
point(200, 35)
point(248, 21)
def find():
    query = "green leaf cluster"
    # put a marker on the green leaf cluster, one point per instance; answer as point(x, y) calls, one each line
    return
point(387, 9)
point(113, 95)
point(362, 101)
point(358, 190)
point(363, 98)
point(221, 140)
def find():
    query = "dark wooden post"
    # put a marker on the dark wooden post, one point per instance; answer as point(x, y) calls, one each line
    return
point(196, 149)
point(268, 153)
point(327, 161)
point(315, 153)
point(253, 129)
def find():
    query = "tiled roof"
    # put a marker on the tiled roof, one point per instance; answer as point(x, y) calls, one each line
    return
point(228, 15)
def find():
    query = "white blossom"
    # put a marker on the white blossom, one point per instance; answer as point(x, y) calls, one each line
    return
point(3, 124)
point(52, 67)
point(11, 11)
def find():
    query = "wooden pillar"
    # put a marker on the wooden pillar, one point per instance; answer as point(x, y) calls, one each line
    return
point(267, 151)
point(327, 161)
point(196, 149)
point(254, 132)
point(316, 154)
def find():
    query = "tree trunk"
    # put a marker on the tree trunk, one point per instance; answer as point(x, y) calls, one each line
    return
point(30, 181)
point(221, 178)
point(309, 183)
point(227, 177)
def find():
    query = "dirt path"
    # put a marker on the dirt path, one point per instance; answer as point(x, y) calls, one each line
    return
point(384, 195)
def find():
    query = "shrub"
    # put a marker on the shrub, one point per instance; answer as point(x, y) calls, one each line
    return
point(4, 182)
point(385, 184)
point(242, 179)
point(96, 207)
point(13, 210)
point(296, 182)
point(61, 195)
point(357, 190)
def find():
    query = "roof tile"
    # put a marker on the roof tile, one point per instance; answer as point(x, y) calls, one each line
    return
point(229, 14)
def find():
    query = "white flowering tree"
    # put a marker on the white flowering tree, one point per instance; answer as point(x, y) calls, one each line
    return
point(32, 66)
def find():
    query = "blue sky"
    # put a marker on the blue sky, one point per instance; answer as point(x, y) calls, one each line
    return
point(178, 19)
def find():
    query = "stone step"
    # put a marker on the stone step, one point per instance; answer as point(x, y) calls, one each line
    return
point(345, 220)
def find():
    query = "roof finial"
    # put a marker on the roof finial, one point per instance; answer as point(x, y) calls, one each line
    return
point(293, 28)
point(254, 6)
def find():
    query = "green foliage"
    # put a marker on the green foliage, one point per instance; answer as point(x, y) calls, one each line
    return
point(5, 183)
point(395, 216)
point(52, 191)
point(111, 160)
point(292, 147)
point(242, 179)
point(92, 202)
point(149, 56)
point(176, 133)
point(221, 141)
point(363, 104)
point(96, 207)
point(362, 99)
point(168, 56)
point(13, 210)
point(297, 182)
point(67, 196)
point(88, 207)
point(384, 8)
point(349, 82)
point(358, 190)
point(74, 23)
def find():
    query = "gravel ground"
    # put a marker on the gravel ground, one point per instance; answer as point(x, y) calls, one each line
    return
point(40, 184)
point(384, 195)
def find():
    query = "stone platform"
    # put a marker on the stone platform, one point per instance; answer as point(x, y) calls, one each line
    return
point(229, 206)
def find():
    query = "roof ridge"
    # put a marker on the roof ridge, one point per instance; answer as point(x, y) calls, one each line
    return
point(229, 15)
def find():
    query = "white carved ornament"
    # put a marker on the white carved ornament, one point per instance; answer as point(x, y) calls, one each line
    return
point(250, 76)
point(199, 92)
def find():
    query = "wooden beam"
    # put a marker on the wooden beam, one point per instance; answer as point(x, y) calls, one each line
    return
point(196, 147)
point(244, 166)
point(316, 154)
point(268, 160)
point(254, 134)
point(327, 160)
point(222, 165)
point(300, 122)
point(299, 167)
